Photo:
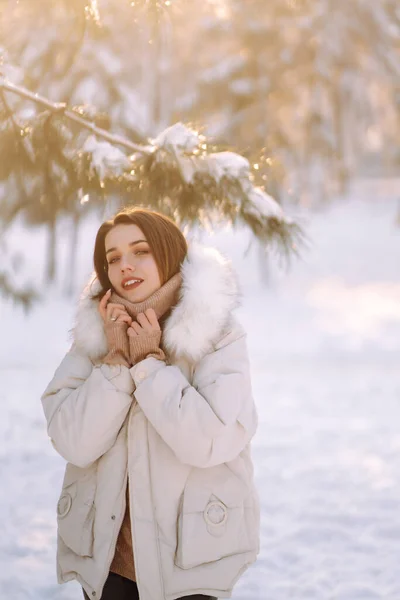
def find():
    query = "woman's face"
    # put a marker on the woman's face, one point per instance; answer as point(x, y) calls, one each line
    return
point(132, 269)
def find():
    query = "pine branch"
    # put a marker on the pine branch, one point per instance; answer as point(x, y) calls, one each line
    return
point(61, 108)
point(16, 126)
point(177, 174)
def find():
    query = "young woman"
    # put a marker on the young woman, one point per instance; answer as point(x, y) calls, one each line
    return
point(152, 408)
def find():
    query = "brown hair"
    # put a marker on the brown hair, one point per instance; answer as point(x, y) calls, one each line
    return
point(166, 241)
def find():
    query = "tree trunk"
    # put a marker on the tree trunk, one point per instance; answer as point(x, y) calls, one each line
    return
point(51, 251)
point(70, 267)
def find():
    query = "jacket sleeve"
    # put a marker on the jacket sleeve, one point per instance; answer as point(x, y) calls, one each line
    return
point(85, 407)
point(211, 421)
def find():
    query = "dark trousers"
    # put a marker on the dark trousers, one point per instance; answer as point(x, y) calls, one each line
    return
point(121, 588)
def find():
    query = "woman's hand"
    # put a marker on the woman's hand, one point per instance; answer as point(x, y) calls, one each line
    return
point(147, 324)
point(112, 312)
point(145, 337)
point(116, 321)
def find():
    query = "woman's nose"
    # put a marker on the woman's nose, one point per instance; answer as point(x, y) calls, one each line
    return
point(125, 264)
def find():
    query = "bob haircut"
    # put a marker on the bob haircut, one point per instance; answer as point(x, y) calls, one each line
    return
point(167, 243)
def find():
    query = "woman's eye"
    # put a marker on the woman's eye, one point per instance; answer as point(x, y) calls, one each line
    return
point(137, 252)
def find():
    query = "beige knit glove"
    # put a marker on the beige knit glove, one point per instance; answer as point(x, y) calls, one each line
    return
point(118, 344)
point(143, 346)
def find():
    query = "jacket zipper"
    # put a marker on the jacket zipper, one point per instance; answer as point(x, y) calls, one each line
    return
point(117, 528)
point(131, 504)
point(133, 528)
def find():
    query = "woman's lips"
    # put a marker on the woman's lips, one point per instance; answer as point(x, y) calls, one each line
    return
point(132, 286)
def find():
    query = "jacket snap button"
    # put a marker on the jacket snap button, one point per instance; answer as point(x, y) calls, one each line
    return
point(141, 375)
point(64, 505)
point(215, 513)
point(93, 593)
point(113, 517)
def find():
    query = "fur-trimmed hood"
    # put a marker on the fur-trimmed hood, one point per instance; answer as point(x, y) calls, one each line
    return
point(208, 295)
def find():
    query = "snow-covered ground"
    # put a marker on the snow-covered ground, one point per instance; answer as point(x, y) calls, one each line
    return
point(324, 340)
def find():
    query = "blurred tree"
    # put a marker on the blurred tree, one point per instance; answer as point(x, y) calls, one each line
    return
point(299, 87)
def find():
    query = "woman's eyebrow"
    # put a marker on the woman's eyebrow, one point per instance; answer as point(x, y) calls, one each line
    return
point(130, 243)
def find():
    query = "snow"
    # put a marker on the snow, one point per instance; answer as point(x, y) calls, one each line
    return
point(324, 341)
point(179, 137)
point(263, 204)
point(182, 142)
point(106, 160)
point(228, 164)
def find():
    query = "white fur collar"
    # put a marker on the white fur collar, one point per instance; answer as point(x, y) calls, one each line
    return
point(209, 294)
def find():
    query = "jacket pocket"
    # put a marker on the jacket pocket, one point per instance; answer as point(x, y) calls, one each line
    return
point(217, 518)
point(76, 509)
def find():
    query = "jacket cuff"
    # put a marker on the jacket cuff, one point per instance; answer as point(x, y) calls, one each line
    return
point(145, 368)
point(118, 376)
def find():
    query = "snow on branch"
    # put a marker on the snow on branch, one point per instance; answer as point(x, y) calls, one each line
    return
point(225, 181)
point(174, 173)
point(106, 159)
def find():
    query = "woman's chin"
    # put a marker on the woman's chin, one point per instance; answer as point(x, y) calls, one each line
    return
point(139, 294)
point(135, 295)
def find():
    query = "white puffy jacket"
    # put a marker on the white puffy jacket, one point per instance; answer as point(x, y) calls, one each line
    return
point(181, 429)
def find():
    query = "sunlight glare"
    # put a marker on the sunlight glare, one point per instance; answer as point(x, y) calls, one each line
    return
point(221, 8)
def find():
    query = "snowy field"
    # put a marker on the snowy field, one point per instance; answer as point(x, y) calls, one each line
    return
point(324, 341)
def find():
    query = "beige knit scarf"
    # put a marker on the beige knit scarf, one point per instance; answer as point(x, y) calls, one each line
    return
point(162, 300)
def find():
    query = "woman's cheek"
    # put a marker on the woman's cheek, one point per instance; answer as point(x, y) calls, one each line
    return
point(148, 263)
point(112, 276)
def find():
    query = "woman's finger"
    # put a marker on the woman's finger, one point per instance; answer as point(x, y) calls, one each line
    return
point(137, 328)
point(152, 317)
point(103, 304)
point(118, 314)
point(144, 321)
point(115, 305)
point(124, 318)
point(104, 300)
point(119, 311)
point(112, 309)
